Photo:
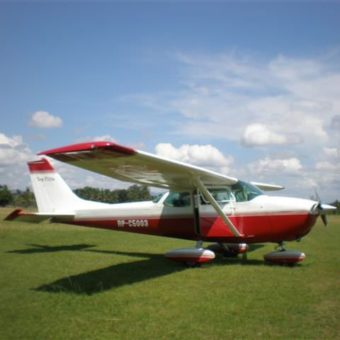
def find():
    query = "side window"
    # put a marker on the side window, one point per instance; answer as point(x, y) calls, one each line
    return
point(178, 199)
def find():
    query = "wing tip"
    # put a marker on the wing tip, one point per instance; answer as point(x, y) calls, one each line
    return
point(89, 146)
point(268, 187)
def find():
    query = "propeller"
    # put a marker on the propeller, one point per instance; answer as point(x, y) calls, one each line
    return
point(321, 209)
point(321, 212)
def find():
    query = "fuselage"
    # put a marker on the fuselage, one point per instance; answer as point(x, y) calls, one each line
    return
point(260, 219)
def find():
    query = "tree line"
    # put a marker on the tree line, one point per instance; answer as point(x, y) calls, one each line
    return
point(25, 198)
point(134, 193)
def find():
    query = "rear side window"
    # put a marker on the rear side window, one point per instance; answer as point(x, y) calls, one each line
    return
point(178, 199)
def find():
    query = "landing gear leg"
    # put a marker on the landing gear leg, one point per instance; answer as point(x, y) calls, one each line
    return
point(281, 246)
point(199, 244)
point(227, 252)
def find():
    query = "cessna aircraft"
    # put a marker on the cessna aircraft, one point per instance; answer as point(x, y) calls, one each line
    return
point(201, 205)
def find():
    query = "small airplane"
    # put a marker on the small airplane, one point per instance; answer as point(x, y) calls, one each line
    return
point(200, 205)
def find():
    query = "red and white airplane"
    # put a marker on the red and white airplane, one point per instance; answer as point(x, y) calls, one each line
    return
point(200, 205)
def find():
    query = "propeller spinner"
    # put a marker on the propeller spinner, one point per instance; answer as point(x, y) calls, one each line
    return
point(322, 209)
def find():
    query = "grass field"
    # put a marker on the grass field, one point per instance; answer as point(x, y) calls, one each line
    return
point(62, 282)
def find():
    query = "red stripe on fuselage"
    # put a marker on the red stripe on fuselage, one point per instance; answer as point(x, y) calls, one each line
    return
point(256, 228)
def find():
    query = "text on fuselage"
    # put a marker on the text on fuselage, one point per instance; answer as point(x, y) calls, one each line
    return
point(132, 223)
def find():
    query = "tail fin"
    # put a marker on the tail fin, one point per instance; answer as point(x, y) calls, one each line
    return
point(51, 192)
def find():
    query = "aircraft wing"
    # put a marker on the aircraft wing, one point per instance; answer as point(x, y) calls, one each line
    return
point(127, 164)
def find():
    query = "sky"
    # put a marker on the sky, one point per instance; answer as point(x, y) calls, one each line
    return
point(250, 89)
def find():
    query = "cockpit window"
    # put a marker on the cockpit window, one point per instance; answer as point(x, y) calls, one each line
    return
point(239, 192)
point(178, 199)
point(245, 191)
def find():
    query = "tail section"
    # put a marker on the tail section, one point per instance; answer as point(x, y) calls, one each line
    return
point(51, 192)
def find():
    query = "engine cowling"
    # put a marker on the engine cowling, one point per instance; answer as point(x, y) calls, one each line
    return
point(191, 256)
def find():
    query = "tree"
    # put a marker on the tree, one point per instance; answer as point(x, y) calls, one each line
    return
point(337, 205)
point(138, 193)
point(6, 196)
point(132, 194)
point(24, 199)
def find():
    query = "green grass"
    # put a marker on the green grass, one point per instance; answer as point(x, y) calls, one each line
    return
point(62, 282)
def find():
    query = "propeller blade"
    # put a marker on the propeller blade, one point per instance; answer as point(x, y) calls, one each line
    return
point(324, 218)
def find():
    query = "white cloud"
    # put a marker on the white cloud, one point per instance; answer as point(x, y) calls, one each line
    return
point(332, 153)
point(44, 120)
point(103, 138)
point(201, 155)
point(290, 106)
point(260, 135)
point(327, 166)
point(106, 138)
point(13, 151)
point(267, 166)
point(10, 141)
point(14, 154)
point(295, 98)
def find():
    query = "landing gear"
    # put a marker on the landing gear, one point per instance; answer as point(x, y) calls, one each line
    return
point(283, 256)
point(199, 244)
point(280, 246)
point(229, 249)
point(194, 263)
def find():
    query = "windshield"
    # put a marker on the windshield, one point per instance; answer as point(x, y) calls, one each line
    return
point(245, 191)
point(158, 197)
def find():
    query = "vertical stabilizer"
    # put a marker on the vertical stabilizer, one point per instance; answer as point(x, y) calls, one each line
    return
point(51, 192)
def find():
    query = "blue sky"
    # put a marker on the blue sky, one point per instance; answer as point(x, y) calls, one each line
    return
point(255, 84)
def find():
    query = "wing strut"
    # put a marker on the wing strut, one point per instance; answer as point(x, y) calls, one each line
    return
point(207, 195)
point(195, 198)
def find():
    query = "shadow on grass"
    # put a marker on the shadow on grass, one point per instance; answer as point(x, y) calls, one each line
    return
point(255, 246)
point(240, 260)
point(39, 248)
point(114, 276)
point(100, 280)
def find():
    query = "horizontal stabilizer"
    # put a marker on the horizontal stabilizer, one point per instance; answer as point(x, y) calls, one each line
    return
point(22, 216)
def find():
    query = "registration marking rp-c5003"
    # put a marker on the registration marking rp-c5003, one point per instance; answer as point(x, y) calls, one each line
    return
point(134, 223)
